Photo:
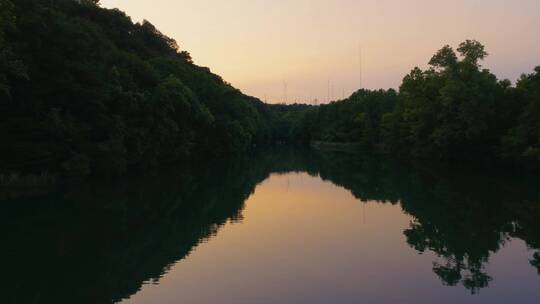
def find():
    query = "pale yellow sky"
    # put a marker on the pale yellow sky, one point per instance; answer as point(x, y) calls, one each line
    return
point(258, 45)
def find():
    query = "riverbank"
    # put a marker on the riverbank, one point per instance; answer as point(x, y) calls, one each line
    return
point(349, 147)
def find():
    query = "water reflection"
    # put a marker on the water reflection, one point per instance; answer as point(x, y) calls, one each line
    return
point(101, 243)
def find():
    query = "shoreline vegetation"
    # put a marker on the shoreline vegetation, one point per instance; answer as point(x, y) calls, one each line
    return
point(85, 92)
point(350, 147)
point(18, 186)
point(17, 180)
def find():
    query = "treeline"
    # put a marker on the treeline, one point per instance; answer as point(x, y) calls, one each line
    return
point(454, 110)
point(84, 90)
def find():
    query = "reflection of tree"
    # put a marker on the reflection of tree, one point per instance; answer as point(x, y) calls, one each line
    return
point(536, 261)
point(463, 271)
point(460, 264)
point(463, 238)
point(476, 279)
point(98, 244)
point(449, 273)
point(461, 215)
point(101, 243)
point(527, 227)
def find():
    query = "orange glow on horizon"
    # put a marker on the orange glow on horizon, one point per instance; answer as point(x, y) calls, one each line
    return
point(258, 45)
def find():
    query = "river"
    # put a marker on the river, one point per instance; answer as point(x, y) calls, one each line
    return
point(284, 226)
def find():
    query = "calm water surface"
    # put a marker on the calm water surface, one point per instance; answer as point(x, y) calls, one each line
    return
point(284, 227)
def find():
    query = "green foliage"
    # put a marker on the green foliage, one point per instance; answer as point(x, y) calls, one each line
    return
point(454, 110)
point(523, 140)
point(472, 51)
point(92, 93)
point(356, 119)
point(10, 66)
point(445, 58)
point(450, 112)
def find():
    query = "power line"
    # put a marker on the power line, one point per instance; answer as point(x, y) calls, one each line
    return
point(285, 91)
point(360, 64)
point(328, 92)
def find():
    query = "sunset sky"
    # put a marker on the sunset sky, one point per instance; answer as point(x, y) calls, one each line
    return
point(258, 45)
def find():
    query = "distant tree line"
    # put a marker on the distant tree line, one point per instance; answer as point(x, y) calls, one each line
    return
point(454, 110)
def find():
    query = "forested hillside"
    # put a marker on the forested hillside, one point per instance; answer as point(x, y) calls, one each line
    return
point(84, 90)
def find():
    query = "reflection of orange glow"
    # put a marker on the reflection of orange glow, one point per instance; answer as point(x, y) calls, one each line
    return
point(304, 240)
point(257, 44)
point(293, 223)
point(299, 202)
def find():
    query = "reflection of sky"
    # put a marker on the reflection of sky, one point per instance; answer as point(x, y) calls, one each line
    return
point(258, 44)
point(303, 240)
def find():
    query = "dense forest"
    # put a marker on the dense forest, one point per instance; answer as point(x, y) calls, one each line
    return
point(86, 91)
point(454, 110)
